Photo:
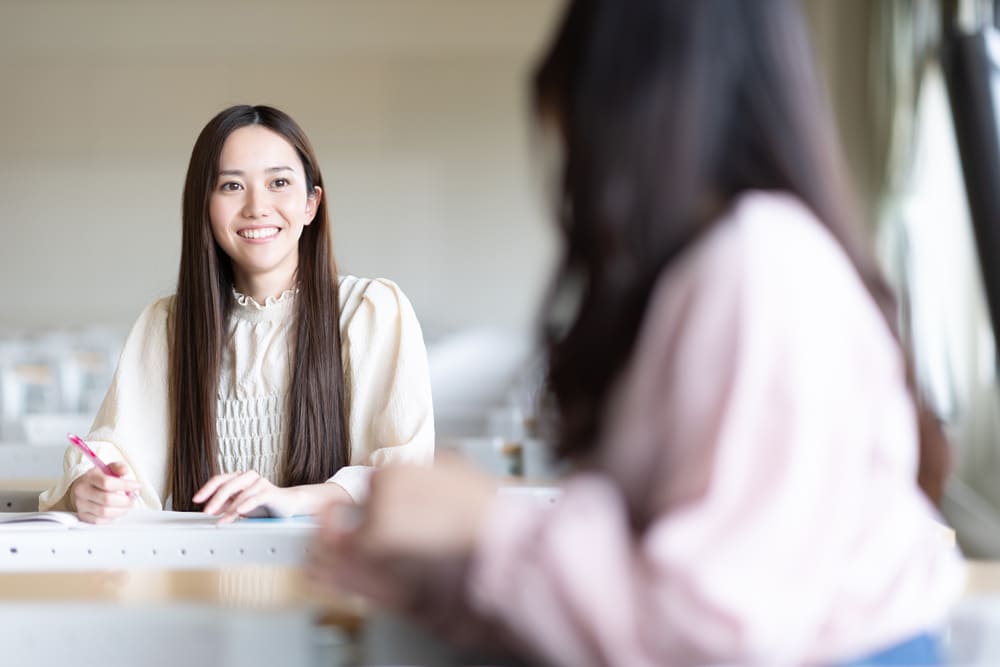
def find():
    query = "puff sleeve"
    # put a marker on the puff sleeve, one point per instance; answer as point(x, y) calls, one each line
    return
point(392, 417)
point(132, 423)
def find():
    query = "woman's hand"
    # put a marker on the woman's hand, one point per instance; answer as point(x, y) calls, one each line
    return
point(100, 498)
point(238, 494)
point(415, 520)
point(247, 494)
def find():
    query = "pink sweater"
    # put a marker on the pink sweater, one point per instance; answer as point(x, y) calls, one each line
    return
point(763, 436)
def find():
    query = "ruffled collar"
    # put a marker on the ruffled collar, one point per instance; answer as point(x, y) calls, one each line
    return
point(273, 308)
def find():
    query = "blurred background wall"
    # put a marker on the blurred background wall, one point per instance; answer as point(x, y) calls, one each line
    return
point(417, 110)
point(846, 42)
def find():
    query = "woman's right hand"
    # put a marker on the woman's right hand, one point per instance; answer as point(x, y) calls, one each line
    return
point(100, 498)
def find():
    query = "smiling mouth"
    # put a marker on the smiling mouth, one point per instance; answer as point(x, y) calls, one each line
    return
point(258, 233)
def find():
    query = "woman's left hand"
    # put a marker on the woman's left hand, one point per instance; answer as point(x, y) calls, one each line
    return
point(237, 494)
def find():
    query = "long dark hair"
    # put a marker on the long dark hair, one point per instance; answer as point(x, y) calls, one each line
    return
point(666, 110)
point(318, 438)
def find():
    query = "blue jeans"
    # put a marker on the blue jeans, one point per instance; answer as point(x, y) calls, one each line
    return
point(920, 651)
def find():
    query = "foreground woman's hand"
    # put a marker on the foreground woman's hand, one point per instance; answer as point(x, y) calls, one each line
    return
point(416, 520)
point(100, 498)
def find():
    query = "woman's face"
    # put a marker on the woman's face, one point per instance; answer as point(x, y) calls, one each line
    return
point(259, 206)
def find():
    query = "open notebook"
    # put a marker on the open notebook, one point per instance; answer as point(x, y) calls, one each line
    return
point(137, 517)
point(18, 518)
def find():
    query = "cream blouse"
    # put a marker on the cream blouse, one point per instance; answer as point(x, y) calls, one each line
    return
point(391, 415)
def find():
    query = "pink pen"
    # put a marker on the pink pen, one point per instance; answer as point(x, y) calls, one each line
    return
point(101, 465)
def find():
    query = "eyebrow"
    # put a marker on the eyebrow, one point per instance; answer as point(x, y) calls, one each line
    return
point(269, 170)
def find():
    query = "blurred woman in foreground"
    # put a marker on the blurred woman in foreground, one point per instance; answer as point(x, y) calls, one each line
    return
point(729, 383)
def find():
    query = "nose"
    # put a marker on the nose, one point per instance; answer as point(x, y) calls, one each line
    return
point(255, 204)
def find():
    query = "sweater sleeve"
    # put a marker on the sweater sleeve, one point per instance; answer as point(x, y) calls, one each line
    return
point(131, 425)
point(392, 417)
point(762, 419)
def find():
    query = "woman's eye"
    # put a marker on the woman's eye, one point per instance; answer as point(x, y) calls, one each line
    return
point(230, 187)
point(280, 182)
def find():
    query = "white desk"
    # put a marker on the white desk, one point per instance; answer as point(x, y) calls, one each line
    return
point(159, 546)
point(114, 546)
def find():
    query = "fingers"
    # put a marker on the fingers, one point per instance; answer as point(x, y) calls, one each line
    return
point(119, 468)
point(99, 498)
point(257, 494)
point(336, 532)
point(98, 480)
point(251, 497)
point(206, 491)
point(107, 498)
point(333, 559)
point(94, 511)
point(222, 490)
point(338, 564)
point(130, 486)
point(418, 513)
point(341, 559)
point(332, 543)
point(344, 570)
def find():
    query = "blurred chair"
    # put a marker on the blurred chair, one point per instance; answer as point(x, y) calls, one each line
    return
point(53, 382)
point(473, 372)
point(492, 456)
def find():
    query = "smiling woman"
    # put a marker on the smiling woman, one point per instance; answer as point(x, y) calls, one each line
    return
point(259, 208)
point(268, 383)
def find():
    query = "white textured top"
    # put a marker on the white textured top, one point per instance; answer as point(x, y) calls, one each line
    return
point(755, 500)
point(391, 417)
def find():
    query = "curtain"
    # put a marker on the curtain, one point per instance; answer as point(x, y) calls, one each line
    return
point(927, 246)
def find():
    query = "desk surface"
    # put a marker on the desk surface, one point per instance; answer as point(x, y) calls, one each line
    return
point(247, 587)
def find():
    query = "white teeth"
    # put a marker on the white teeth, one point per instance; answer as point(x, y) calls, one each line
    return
point(258, 233)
